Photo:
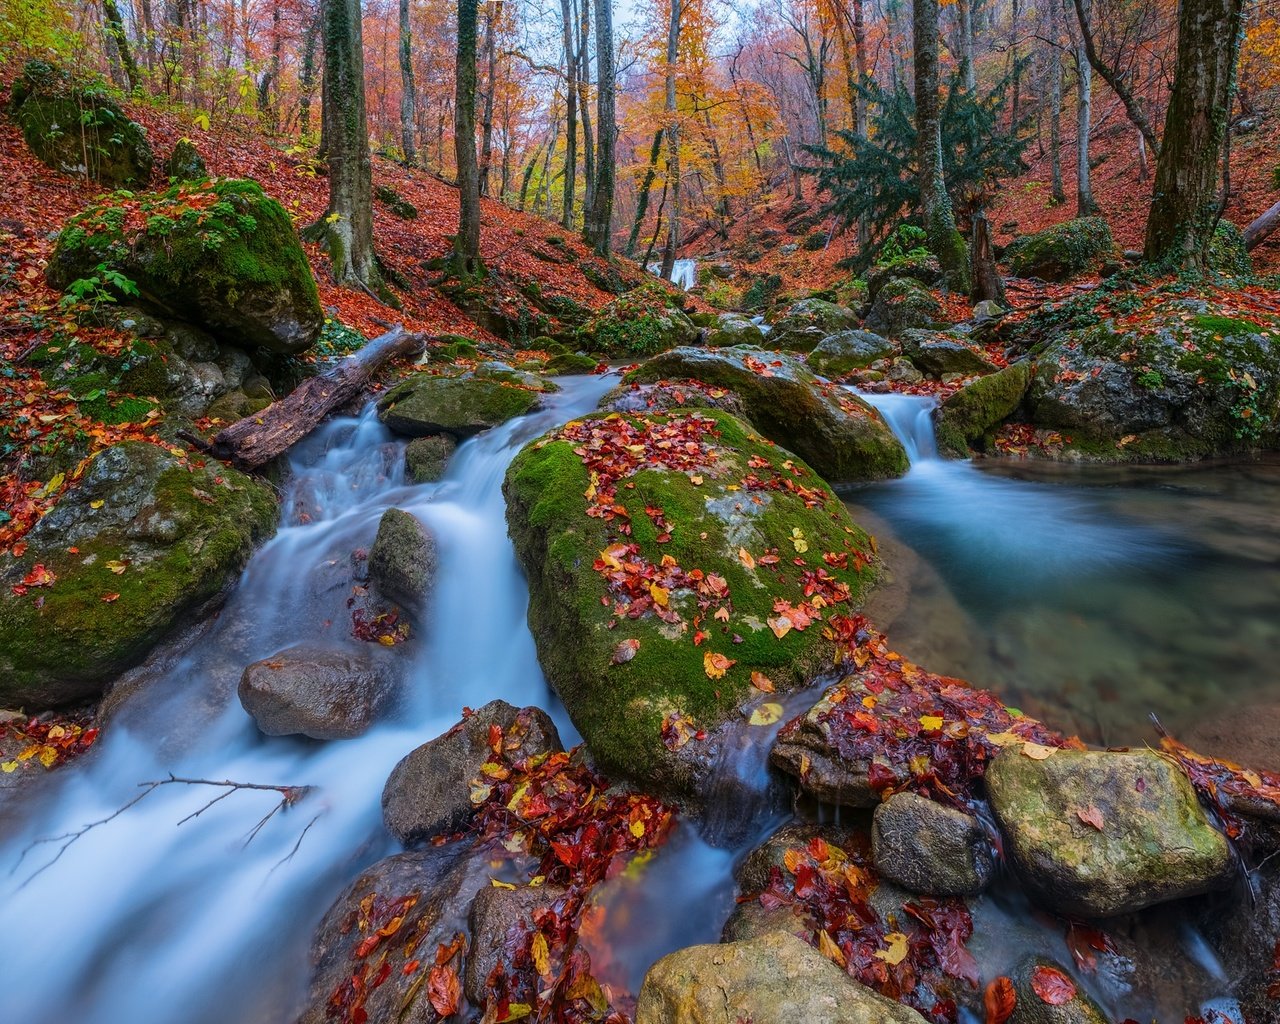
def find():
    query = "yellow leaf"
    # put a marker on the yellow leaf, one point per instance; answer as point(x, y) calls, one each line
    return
point(333, 218)
point(500, 885)
point(797, 539)
point(637, 828)
point(1037, 751)
point(869, 701)
point(387, 641)
point(930, 722)
point(612, 555)
point(117, 566)
point(716, 665)
point(97, 504)
point(661, 596)
point(517, 1011)
point(745, 556)
point(178, 453)
point(696, 480)
point(828, 948)
point(8, 767)
point(766, 714)
point(480, 792)
point(896, 951)
point(722, 614)
point(780, 624)
point(541, 955)
point(48, 756)
point(590, 492)
point(1004, 739)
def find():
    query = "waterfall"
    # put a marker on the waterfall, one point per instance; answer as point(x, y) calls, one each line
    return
point(684, 273)
point(910, 417)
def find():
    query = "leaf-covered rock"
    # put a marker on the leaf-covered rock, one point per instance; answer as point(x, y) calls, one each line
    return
point(461, 407)
point(146, 542)
point(807, 322)
point(836, 432)
point(1048, 994)
point(1063, 251)
point(970, 413)
point(670, 559)
point(1099, 833)
point(221, 255)
point(900, 305)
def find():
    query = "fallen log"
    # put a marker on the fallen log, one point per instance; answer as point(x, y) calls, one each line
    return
point(256, 440)
point(1261, 228)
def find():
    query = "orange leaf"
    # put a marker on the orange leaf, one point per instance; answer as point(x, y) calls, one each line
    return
point(716, 665)
point(109, 598)
point(746, 558)
point(1091, 816)
point(762, 682)
point(1000, 1000)
point(1052, 986)
point(443, 990)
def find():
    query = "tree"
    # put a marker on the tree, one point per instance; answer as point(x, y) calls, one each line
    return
point(945, 241)
point(408, 97)
point(673, 141)
point(1185, 207)
point(599, 220)
point(466, 243)
point(1086, 205)
point(571, 113)
point(120, 40)
point(347, 226)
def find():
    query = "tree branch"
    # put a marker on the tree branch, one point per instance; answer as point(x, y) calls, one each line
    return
point(1131, 105)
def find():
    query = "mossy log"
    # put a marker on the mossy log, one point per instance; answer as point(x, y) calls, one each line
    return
point(256, 440)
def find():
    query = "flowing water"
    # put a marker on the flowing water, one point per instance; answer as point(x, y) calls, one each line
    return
point(684, 273)
point(153, 919)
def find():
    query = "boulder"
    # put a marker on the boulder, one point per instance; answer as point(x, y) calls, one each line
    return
point(773, 979)
point(1244, 932)
point(841, 436)
point(1099, 833)
point(917, 266)
point(461, 407)
point(426, 458)
point(569, 363)
point(1064, 251)
point(807, 322)
point(395, 202)
point(929, 848)
point(145, 543)
point(638, 324)
point(327, 692)
point(937, 354)
point(902, 305)
point(613, 614)
point(429, 792)
point(1185, 383)
point(500, 920)
point(734, 329)
point(185, 163)
point(1227, 254)
point(671, 396)
point(976, 409)
point(220, 255)
point(755, 870)
point(495, 369)
point(402, 561)
point(1036, 975)
point(78, 128)
point(846, 351)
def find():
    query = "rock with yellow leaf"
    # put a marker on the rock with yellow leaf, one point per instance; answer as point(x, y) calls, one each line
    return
point(495, 912)
point(773, 979)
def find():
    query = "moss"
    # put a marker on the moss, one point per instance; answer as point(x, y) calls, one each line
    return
point(570, 363)
point(426, 458)
point(620, 708)
point(396, 203)
point(1064, 250)
point(1227, 254)
point(974, 410)
point(459, 406)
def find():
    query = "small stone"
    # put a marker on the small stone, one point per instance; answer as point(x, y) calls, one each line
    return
point(494, 913)
point(1054, 981)
point(402, 561)
point(931, 849)
point(427, 458)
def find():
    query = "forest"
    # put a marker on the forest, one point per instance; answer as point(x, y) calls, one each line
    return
point(640, 511)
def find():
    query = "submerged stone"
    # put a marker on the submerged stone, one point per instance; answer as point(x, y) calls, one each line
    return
point(426, 458)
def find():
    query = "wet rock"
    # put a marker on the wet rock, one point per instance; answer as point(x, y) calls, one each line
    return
point(185, 163)
point(671, 396)
point(750, 920)
point(976, 409)
point(497, 370)
point(839, 435)
point(1063, 251)
point(429, 792)
point(902, 305)
point(1154, 844)
point(166, 538)
point(78, 128)
point(1244, 932)
point(248, 287)
point(774, 979)
point(937, 354)
point(754, 872)
point(734, 329)
point(931, 849)
point(458, 406)
point(317, 690)
point(427, 458)
point(499, 918)
point(402, 561)
point(636, 326)
point(808, 322)
point(1078, 1008)
point(570, 363)
point(841, 353)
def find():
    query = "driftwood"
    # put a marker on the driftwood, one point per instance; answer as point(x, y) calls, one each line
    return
point(1261, 228)
point(256, 440)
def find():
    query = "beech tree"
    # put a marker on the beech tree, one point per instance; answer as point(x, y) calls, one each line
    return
point(466, 243)
point(599, 219)
point(408, 97)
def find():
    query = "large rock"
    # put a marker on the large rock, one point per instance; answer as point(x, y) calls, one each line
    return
point(753, 874)
point(846, 351)
point(928, 848)
point(1063, 251)
point(429, 792)
point(918, 266)
point(1244, 932)
point(500, 922)
point(902, 304)
point(837, 433)
point(1034, 978)
point(221, 255)
point(426, 458)
point(402, 561)
point(653, 635)
point(734, 329)
point(672, 396)
point(638, 324)
point(458, 406)
point(938, 354)
point(806, 323)
point(323, 691)
point(775, 979)
point(1099, 833)
point(976, 409)
point(146, 542)
point(79, 128)
point(185, 162)
point(1184, 383)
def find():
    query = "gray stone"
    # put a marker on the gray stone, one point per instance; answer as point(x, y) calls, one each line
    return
point(1031, 1009)
point(937, 354)
point(734, 329)
point(808, 321)
point(402, 561)
point(901, 305)
point(841, 353)
point(427, 458)
point(500, 919)
point(928, 848)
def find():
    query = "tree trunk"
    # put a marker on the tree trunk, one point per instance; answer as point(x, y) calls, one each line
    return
point(466, 243)
point(1184, 207)
point(1256, 232)
point(987, 283)
point(584, 109)
point(491, 68)
point(1057, 192)
point(847, 61)
point(307, 74)
point(571, 114)
point(408, 95)
point(347, 227)
point(935, 205)
point(1132, 104)
point(673, 143)
point(599, 226)
point(860, 55)
point(1015, 68)
point(528, 177)
point(1086, 205)
point(968, 74)
point(642, 202)
point(256, 440)
point(115, 29)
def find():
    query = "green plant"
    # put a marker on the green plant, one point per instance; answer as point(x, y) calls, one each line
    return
point(1151, 379)
point(99, 289)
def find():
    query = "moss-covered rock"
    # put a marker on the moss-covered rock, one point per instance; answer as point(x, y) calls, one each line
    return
point(902, 305)
point(937, 354)
point(1227, 254)
point(652, 635)
point(221, 255)
point(78, 128)
point(916, 265)
point(732, 329)
point(1099, 833)
point(396, 203)
point(1181, 383)
point(177, 536)
point(642, 322)
point(185, 162)
point(971, 413)
point(426, 458)
point(841, 436)
point(849, 350)
point(1063, 251)
point(568, 363)
point(403, 559)
point(1075, 1007)
point(808, 322)
point(459, 406)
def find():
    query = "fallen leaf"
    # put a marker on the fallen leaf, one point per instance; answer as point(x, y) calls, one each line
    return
point(117, 566)
point(1038, 751)
point(625, 651)
point(896, 951)
point(828, 948)
point(766, 714)
point(541, 955)
point(762, 682)
point(1052, 986)
point(745, 557)
point(109, 598)
point(999, 1000)
point(716, 665)
point(1091, 816)
point(930, 722)
point(443, 990)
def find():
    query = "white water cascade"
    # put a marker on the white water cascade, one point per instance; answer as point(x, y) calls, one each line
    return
point(684, 273)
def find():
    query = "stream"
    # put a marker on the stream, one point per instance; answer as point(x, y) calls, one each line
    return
point(151, 919)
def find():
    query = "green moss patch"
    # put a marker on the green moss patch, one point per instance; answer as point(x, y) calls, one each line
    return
point(976, 409)
point(1063, 251)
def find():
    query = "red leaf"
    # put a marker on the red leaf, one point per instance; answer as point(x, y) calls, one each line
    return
point(1000, 999)
point(443, 990)
point(1052, 986)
